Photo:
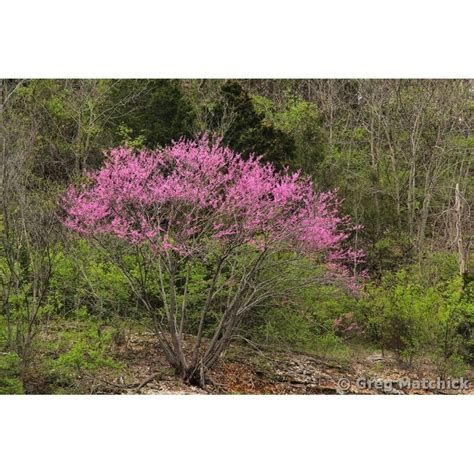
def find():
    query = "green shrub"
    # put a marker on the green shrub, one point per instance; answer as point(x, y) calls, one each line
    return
point(10, 374)
point(331, 346)
point(306, 323)
point(78, 351)
point(454, 366)
point(84, 280)
point(418, 314)
point(82, 357)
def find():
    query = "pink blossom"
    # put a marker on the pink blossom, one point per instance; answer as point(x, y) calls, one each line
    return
point(191, 193)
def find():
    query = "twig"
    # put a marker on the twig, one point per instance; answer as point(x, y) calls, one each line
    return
point(147, 381)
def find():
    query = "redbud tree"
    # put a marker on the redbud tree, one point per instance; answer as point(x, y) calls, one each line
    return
point(197, 204)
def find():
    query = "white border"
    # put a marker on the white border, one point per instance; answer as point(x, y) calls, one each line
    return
point(241, 434)
point(244, 38)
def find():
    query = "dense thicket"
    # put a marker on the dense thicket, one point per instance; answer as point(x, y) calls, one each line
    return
point(398, 151)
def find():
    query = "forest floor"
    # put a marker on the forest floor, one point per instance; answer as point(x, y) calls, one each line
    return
point(245, 369)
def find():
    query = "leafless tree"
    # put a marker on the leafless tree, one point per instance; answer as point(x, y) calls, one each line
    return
point(27, 227)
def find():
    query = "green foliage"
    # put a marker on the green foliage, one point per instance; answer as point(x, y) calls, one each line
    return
point(249, 132)
point(389, 253)
point(84, 281)
point(333, 347)
point(466, 325)
point(453, 366)
point(126, 136)
point(10, 374)
point(292, 331)
point(154, 111)
point(306, 323)
point(417, 316)
point(81, 349)
point(299, 120)
point(69, 124)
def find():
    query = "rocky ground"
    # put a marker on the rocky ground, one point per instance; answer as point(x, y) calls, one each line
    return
point(245, 369)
